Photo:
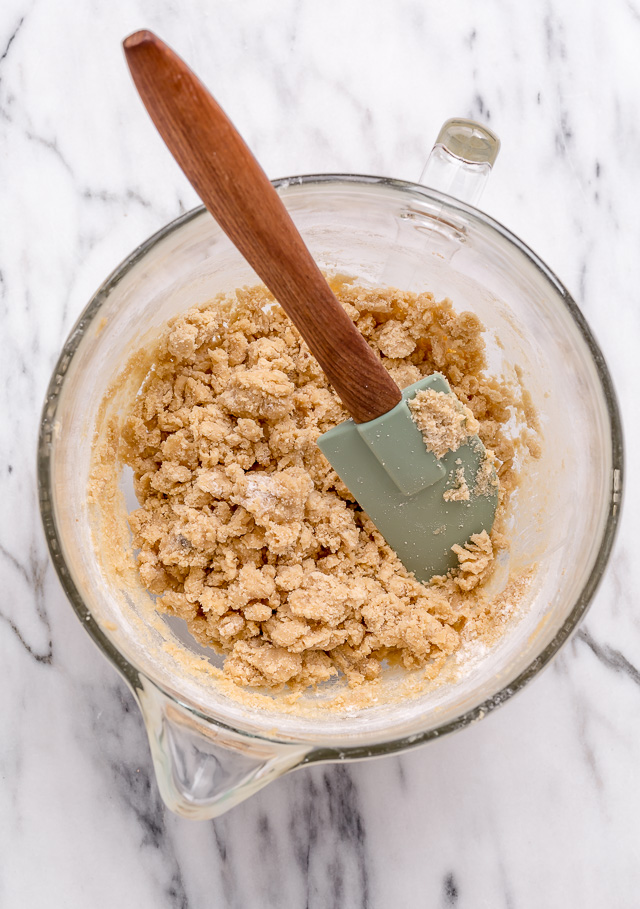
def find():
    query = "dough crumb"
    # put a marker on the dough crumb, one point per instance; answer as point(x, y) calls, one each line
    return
point(486, 478)
point(475, 559)
point(460, 493)
point(444, 421)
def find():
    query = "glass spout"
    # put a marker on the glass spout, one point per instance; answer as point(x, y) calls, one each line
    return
point(204, 769)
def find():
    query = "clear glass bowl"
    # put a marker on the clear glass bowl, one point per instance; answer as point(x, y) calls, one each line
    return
point(209, 749)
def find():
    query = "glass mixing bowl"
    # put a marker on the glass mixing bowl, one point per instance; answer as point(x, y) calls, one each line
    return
point(211, 750)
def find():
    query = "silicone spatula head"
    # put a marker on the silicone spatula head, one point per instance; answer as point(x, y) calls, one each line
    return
point(409, 494)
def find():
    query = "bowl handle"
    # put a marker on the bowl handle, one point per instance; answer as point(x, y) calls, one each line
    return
point(461, 160)
point(459, 165)
point(204, 769)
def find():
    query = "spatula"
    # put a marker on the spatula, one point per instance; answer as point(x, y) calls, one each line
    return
point(379, 454)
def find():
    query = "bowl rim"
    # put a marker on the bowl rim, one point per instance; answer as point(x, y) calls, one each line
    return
point(341, 749)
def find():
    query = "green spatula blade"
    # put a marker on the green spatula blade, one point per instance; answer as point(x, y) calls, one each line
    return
point(421, 526)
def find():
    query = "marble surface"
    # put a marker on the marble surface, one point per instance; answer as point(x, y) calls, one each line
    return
point(537, 806)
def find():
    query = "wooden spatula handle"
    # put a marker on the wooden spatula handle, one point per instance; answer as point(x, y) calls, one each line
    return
point(238, 194)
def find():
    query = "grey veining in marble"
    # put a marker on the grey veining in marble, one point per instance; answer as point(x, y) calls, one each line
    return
point(539, 805)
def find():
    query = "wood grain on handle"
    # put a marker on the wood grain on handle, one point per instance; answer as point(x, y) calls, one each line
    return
point(240, 197)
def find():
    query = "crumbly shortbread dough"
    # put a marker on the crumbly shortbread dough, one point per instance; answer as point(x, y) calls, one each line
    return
point(245, 531)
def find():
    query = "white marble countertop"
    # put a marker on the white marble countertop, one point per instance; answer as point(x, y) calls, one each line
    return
point(537, 806)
